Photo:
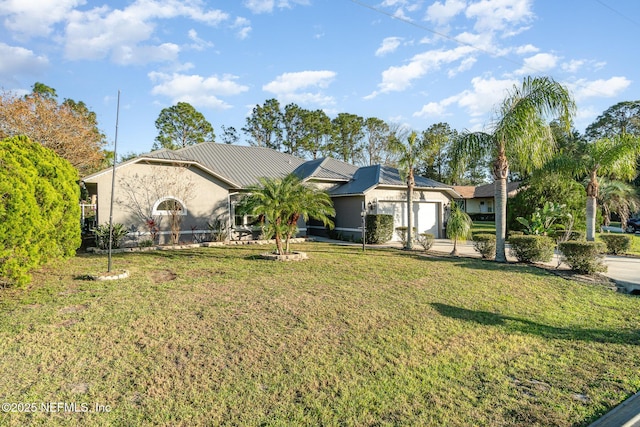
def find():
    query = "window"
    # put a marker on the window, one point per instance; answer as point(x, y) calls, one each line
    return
point(169, 206)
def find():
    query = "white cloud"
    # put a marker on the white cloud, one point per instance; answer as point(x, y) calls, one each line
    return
point(431, 109)
point(573, 66)
point(291, 82)
point(399, 78)
point(539, 63)
point(267, 6)
point(198, 43)
point(125, 55)
point(197, 90)
point(441, 13)
point(525, 49)
point(36, 18)
point(23, 62)
point(465, 65)
point(486, 94)
point(389, 45)
point(121, 33)
point(243, 26)
point(610, 88)
point(500, 15)
point(294, 87)
point(260, 6)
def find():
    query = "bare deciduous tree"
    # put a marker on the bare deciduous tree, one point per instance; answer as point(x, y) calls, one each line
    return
point(152, 196)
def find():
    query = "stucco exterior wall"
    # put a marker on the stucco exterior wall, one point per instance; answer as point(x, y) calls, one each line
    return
point(139, 186)
point(348, 210)
point(428, 208)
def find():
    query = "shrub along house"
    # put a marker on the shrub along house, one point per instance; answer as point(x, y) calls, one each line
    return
point(192, 188)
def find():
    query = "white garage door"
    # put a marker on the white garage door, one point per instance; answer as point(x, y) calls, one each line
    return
point(425, 215)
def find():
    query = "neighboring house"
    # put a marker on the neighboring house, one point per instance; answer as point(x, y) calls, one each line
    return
point(480, 199)
point(203, 183)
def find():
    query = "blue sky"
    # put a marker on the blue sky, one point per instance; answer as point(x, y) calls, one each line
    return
point(409, 62)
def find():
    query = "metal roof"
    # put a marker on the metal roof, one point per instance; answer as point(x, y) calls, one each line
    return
point(326, 168)
point(241, 164)
point(369, 177)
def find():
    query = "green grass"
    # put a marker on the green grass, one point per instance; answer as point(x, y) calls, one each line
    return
point(217, 337)
point(483, 227)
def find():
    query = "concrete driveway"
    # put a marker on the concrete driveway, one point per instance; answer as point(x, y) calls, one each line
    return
point(622, 269)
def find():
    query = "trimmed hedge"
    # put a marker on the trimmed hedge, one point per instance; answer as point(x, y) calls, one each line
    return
point(616, 243)
point(485, 244)
point(532, 248)
point(379, 228)
point(39, 208)
point(583, 257)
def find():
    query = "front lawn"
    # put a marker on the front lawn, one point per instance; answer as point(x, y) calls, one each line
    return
point(214, 336)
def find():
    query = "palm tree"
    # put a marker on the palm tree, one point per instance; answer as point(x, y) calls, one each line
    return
point(409, 154)
point(458, 226)
point(306, 202)
point(282, 202)
point(619, 197)
point(520, 133)
point(606, 157)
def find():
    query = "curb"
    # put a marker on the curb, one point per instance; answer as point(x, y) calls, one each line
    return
point(626, 414)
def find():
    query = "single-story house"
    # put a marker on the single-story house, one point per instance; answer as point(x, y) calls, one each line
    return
point(205, 181)
point(480, 200)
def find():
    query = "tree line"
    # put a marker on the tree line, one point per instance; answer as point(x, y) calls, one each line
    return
point(313, 134)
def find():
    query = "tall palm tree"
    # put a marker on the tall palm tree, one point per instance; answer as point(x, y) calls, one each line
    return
point(614, 157)
point(409, 154)
point(520, 133)
point(282, 202)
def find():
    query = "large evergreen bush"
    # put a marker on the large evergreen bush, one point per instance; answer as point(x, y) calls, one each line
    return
point(379, 228)
point(547, 188)
point(39, 208)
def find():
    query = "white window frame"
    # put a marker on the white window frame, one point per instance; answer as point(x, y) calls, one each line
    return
point(155, 210)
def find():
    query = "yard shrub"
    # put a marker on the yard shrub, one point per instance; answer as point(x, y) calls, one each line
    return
point(532, 248)
point(39, 208)
point(616, 243)
point(118, 234)
point(401, 232)
point(426, 240)
point(379, 228)
point(583, 257)
point(485, 245)
point(578, 235)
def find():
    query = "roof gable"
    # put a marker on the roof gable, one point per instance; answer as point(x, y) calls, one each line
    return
point(326, 168)
point(369, 177)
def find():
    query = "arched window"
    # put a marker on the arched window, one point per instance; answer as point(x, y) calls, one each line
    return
point(169, 206)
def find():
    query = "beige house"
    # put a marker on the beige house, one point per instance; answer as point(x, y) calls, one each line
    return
point(202, 184)
point(480, 200)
